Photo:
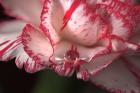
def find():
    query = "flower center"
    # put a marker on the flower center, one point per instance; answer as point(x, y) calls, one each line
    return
point(72, 54)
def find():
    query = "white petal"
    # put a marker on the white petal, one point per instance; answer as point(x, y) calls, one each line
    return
point(117, 78)
point(56, 15)
point(51, 19)
point(117, 14)
point(81, 24)
point(99, 61)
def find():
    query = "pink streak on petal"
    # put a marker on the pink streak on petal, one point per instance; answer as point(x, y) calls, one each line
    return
point(69, 13)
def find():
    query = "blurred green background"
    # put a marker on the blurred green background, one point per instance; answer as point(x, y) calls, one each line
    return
point(13, 80)
point(49, 82)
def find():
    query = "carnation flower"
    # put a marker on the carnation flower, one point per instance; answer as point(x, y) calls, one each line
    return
point(97, 39)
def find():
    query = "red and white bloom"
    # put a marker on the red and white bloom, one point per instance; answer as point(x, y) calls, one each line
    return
point(97, 39)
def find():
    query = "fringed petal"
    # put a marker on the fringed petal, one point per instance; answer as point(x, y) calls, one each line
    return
point(23, 60)
point(36, 44)
point(51, 19)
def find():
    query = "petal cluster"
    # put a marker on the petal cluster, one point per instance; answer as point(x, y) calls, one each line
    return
point(97, 39)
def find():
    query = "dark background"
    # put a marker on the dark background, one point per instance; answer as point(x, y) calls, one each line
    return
point(13, 80)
